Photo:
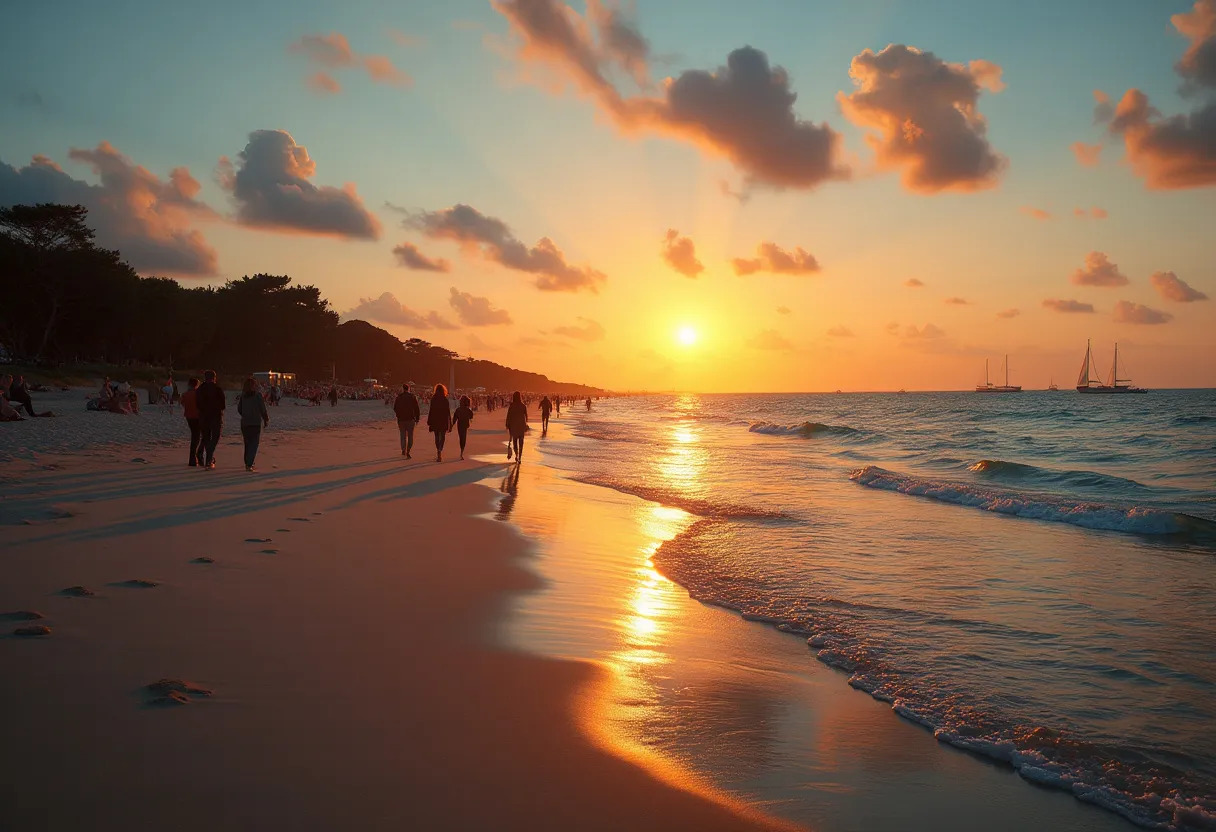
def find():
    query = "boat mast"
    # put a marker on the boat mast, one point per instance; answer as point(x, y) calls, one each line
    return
point(1006, 369)
point(987, 383)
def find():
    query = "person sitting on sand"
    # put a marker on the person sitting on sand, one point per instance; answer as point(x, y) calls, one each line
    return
point(19, 396)
point(517, 425)
point(439, 418)
point(8, 413)
point(254, 417)
point(460, 420)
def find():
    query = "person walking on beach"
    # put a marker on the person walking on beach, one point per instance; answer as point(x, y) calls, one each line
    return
point(254, 417)
point(517, 424)
point(461, 419)
point(190, 411)
point(333, 397)
point(546, 407)
point(408, 414)
point(439, 418)
point(211, 403)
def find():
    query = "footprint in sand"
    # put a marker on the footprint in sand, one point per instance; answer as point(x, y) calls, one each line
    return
point(138, 583)
point(317, 513)
point(32, 631)
point(140, 460)
point(173, 692)
point(300, 519)
point(21, 615)
point(268, 552)
point(203, 559)
point(257, 540)
point(78, 592)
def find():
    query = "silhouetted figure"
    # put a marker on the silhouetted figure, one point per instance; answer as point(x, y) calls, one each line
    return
point(408, 413)
point(439, 418)
point(517, 424)
point(211, 405)
point(546, 407)
point(254, 416)
point(588, 404)
point(19, 395)
point(190, 411)
point(461, 419)
point(333, 397)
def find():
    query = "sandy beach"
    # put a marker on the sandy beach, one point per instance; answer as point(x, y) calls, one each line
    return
point(333, 616)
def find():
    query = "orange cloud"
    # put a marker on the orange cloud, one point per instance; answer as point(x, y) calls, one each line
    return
point(387, 309)
point(925, 112)
point(1099, 271)
point(1198, 63)
point(1009, 313)
point(270, 186)
point(783, 310)
point(743, 111)
point(1093, 213)
point(770, 339)
point(149, 220)
point(410, 257)
point(476, 311)
point(1073, 306)
point(681, 254)
point(492, 239)
point(770, 257)
point(323, 83)
point(588, 330)
point(1168, 153)
point(1087, 154)
point(1127, 312)
point(1036, 213)
point(840, 332)
point(1172, 287)
point(333, 51)
point(914, 283)
point(957, 302)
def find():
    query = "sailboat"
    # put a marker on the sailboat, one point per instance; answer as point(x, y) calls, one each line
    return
point(1114, 384)
point(989, 387)
point(1052, 386)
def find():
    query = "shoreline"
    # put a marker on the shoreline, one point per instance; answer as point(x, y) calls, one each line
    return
point(344, 676)
point(675, 659)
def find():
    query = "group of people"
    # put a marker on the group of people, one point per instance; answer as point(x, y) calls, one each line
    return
point(442, 420)
point(15, 397)
point(204, 404)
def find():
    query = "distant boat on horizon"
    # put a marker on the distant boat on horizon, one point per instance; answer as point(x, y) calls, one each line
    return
point(989, 387)
point(1051, 386)
point(1114, 384)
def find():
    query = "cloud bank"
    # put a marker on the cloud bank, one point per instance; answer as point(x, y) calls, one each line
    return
point(476, 311)
point(270, 186)
point(926, 115)
point(743, 111)
point(770, 257)
point(770, 339)
point(146, 218)
point(387, 309)
point(491, 238)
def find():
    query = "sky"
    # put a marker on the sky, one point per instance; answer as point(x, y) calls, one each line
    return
point(712, 196)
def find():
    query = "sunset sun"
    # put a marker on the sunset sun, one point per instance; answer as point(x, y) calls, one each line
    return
point(686, 335)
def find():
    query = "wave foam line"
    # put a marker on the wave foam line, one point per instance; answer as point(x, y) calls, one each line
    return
point(1099, 516)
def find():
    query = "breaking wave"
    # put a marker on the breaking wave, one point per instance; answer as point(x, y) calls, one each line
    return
point(1089, 515)
point(805, 430)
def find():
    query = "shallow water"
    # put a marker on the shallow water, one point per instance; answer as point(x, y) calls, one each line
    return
point(1028, 576)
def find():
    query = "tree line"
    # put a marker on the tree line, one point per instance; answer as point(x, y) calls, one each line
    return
point(68, 301)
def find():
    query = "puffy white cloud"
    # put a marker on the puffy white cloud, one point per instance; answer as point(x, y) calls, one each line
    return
point(1099, 271)
point(1171, 287)
point(387, 309)
point(1127, 312)
point(681, 254)
point(476, 311)
point(770, 257)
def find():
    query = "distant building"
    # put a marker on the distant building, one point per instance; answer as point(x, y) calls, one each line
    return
point(269, 377)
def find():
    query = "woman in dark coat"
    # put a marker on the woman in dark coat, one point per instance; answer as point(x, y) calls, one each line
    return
point(517, 424)
point(439, 418)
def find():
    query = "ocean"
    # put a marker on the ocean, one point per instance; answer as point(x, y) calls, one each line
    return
point(1028, 576)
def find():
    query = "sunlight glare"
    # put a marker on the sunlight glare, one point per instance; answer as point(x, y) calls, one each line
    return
point(686, 335)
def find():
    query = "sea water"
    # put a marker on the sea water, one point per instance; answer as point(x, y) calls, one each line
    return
point(1028, 576)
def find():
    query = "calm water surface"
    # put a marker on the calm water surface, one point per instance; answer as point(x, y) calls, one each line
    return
point(1028, 576)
